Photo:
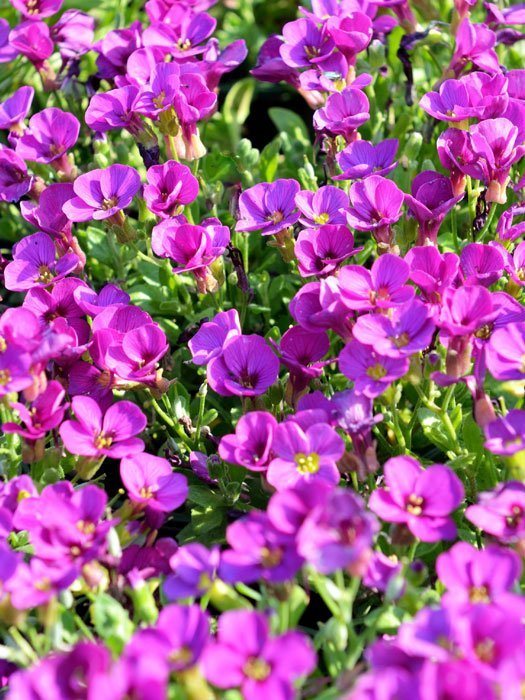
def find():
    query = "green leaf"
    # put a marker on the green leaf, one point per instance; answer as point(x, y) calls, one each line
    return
point(269, 160)
point(289, 123)
point(111, 622)
point(238, 100)
point(433, 429)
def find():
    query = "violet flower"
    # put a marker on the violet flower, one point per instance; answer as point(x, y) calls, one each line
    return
point(115, 109)
point(15, 373)
point(371, 372)
point(301, 352)
point(322, 206)
point(50, 135)
point(474, 44)
point(246, 367)
point(251, 444)
point(246, 656)
point(193, 571)
point(305, 44)
point(432, 271)
point(258, 551)
point(150, 482)
point(14, 179)
point(45, 413)
point(102, 193)
point(481, 264)
point(362, 158)
point(382, 287)
point(343, 113)
point(431, 198)
point(73, 33)
point(112, 434)
point(505, 352)
point(35, 264)
point(268, 207)
point(14, 110)
point(351, 33)
point(170, 187)
point(37, 583)
point(304, 455)
point(209, 340)
point(320, 251)
point(32, 40)
point(37, 9)
point(501, 512)
point(376, 204)
point(506, 434)
point(270, 66)
point(337, 534)
point(422, 499)
point(115, 48)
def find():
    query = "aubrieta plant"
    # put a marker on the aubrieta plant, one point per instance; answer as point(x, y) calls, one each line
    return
point(262, 350)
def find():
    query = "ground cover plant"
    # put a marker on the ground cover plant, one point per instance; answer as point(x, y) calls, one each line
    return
point(262, 350)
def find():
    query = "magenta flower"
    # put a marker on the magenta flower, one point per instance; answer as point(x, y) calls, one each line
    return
point(45, 413)
point(150, 481)
point(37, 583)
point(481, 264)
point(305, 44)
point(270, 66)
point(505, 352)
point(191, 33)
point(73, 33)
point(322, 206)
point(343, 113)
point(115, 48)
point(193, 571)
point(115, 109)
point(376, 204)
point(109, 434)
point(432, 271)
point(209, 340)
point(422, 499)
point(506, 434)
point(318, 306)
point(268, 207)
point(246, 367)
point(193, 248)
point(338, 533)
point(301, 352)
point(351, 33)
point(407, 330)
point(15, 372)
point(304, 455)
point(35, 264)
point(50, 135)
point(160, 93)
point(170, 187)
point(251, 444)
point(37, 9)
point(14, 110)
point(474, 576)
point(102, 193)
point(245, 656)
point(431, 198)
point(91, 303)
point(371, 372)
point(133, 356)
point(362, 158)
point(7, 52)
point(475, 44)
point(258, 550)
point(501, 513)
point(454, 152)
point(474, 96)
point(14, 179)
point(320, 251)
point(32, 40)
point(382, 287)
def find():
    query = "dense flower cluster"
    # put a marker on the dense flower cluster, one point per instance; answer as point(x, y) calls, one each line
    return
point(263, 421)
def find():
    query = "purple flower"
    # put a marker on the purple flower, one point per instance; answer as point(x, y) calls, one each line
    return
point(209, 340)
point(34, 264)
point(343, 113)
point(14, 110)
point(481, 264)
point(268, 207)
point(506, 434)
point(50, 135)
point(305, 44)
point(257, 551)
point(431, 199)
point(251, 444)
point(217, 61)
point(246, 367)
point(270, 66)
point(44, 414)
point(73, 33)
point(501, 513)
point(381, 571)
point(320, 251)
point(351, 33)
point(15, 372)
point(14, 180)
point(337, 534)
point(102, 193)
point(160, 93)
point(193, 248)
point(422, 499)
point(170, 187)
point(322, 206)
point(32, 40)
point(376, 204)
point(194, 569)
point(505, 352)
point(432, 271)
point(91, 303)
point(245, 656)
point(112, 434)
point(371, 372)
point(150, 481)
point(7, 52)
point(474, 96)
point(37, 583)
point(115, 48)
point(362, 158)
point(308, 455)
point(318, 306)
point(37, 9)
point(382, 287)
point(115, 109)
point(475, 44)
point(301, 351)
point(480, 576)
point(409, 329)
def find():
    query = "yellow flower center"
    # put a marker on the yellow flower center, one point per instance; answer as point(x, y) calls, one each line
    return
point(109, 203)
point(184, 655)
point(103, 441)
point(479, 594)
point(322, 218)
point(400, 341)
point(45, 276)
point(184, 44)
point(276, 217)
point(86, 527)
point(257, 669)
point(146, 492)
point(414, 504)
point(271, 558)
point(5, 377)
point(307, 464)
point(3, 344)
point(485, 650)
point(376, 371)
